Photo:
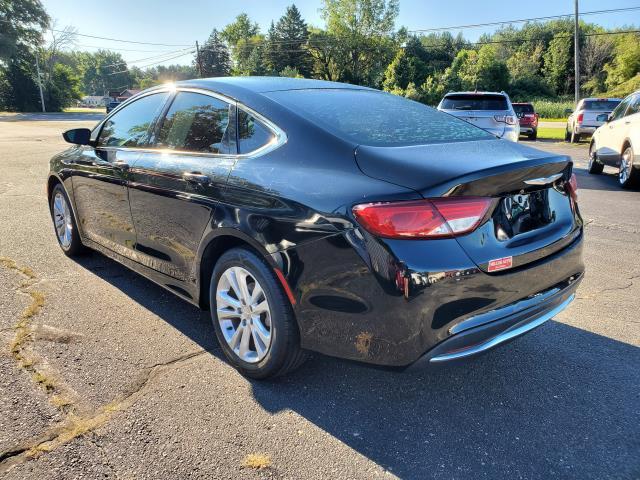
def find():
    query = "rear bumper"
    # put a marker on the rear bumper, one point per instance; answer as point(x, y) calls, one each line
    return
point(502, 325)
point(397, 301)
point(524, 130)
point(585, 129)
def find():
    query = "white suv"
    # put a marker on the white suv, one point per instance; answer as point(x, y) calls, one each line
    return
point(490, 111)
point(584, 120)
point(617, 142)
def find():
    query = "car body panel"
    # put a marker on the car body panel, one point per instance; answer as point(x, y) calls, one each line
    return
point(622, 129)
point(589, 122)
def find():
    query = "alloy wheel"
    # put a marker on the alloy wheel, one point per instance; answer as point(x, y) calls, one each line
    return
point(244, 315)
point(62, 220)
point(626, 164)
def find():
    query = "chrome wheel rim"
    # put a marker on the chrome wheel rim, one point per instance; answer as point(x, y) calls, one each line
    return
point(62, 220)
point(626, 165)
point(243, 314)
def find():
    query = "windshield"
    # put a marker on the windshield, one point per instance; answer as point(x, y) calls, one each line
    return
point(601, 105)
point(371, 117)
point(474, 102)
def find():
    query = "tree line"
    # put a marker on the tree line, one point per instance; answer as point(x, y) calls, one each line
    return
point(358, 44)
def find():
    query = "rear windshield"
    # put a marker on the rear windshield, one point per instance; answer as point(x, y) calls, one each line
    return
point(376, 118)
point(601, 105)
point(474, 102)
point(523, 108)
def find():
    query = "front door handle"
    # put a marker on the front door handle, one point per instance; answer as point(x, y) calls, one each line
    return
point(119, 164)
point(196, 177)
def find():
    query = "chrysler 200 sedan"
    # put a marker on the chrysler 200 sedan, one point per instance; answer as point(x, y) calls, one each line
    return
point(318, 216)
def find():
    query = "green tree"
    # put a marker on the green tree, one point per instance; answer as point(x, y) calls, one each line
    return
point(286, 43)
point(21, 24)
point(62, 89)
point(243, 37)
point(361, 30)
point(407, 66)
point(626, 61)
point(102, 71)
point(558, 60)
point(214, 57)
point(18, 89)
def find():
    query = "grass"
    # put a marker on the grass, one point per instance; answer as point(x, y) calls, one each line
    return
point(552, 109)
point(550, 133)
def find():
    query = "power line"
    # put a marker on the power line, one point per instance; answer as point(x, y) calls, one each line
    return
point(156, 63)
point(102, 47)
point(123, 62)
point(126, 41)
point(523, 20)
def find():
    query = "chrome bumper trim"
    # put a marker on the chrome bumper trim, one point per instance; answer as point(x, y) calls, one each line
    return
point(503, 337)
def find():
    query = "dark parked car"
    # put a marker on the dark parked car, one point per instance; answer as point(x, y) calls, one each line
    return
point(111, 106)
point(310, 215)
point(528, 119)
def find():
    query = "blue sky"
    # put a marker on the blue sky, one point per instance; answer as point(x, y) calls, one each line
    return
point(186, 21)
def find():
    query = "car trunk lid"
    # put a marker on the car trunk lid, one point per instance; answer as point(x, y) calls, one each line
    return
point(532, 215)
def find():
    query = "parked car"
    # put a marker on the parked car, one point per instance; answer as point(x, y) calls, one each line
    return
point(617, 142)
point(490, 111)
point(312, 215)
point(584, 120)
point(111, 106)
point(528, 119)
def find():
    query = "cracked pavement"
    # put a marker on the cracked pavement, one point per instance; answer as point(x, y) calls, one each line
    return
point(139, 389)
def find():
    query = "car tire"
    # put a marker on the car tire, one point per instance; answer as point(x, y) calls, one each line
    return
point(595, 167)
point(628, 174)
point(533, 136)
point(256, 329)
point(567, 135)
point(64, 222)
point(575, 137)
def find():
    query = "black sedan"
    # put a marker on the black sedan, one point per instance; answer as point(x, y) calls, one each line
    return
point(318, 216)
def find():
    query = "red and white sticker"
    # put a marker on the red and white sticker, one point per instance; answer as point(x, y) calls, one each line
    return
point(500, 264)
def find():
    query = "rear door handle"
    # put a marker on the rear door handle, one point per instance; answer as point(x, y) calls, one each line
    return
point(196, 177)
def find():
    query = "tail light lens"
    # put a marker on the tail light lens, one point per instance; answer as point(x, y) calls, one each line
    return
point(580, 117)
point(508, 119)
point(572, 189)
point(434, 218)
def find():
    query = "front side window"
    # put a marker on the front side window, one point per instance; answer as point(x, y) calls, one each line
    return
point(129, 127)
point(620, 109)
point(635, 105)
point(252, 134)
point(196, 123)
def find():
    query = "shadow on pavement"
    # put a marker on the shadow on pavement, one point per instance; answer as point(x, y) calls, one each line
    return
point(606, 181)
point(559, 402)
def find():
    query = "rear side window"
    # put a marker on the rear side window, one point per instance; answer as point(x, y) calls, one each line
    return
point(601, 105)
point(129, 126)
point(252, 134)
point(375, 118)
point(635, 105)
point(520, 109)
point(475, 102)
point(196, 123)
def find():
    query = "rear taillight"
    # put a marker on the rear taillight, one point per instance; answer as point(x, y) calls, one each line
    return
point(572, 189)
point(434, 218)
point(508, 119)
point(580, 117)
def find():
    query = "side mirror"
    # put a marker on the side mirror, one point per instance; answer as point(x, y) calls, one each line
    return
point(603, 117)
point(77, 136)
point(568, 111)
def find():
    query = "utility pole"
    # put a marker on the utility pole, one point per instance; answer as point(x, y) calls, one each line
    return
point(39, 82)
point(198, 60)
point(576, 53)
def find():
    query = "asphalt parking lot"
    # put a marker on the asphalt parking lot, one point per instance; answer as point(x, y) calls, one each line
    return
point(105, 375)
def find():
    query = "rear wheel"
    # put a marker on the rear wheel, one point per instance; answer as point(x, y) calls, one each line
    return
point(252, 316)
point(534, 135)
point(595, 167)
point(567, 134)
point(628, 175)
point(64, 222)
point(575, 137)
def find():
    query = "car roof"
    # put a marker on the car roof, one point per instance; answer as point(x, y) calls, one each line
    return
point(601, 98)
point(476, 93)
point(265, 84)
point(522, 103)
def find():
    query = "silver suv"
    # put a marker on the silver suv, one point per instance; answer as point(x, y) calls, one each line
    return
point(491, 111)
point(584, 120)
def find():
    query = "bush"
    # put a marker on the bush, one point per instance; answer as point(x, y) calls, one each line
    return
point(552, 108)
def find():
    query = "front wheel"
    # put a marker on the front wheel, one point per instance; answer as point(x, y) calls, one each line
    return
point(628, 175)
point(595, 167)
point(64, 222)
point(252, 316)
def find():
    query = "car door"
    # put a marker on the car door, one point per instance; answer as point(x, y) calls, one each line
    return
point(101, 174)
point(176, 185)
point(610, 141)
